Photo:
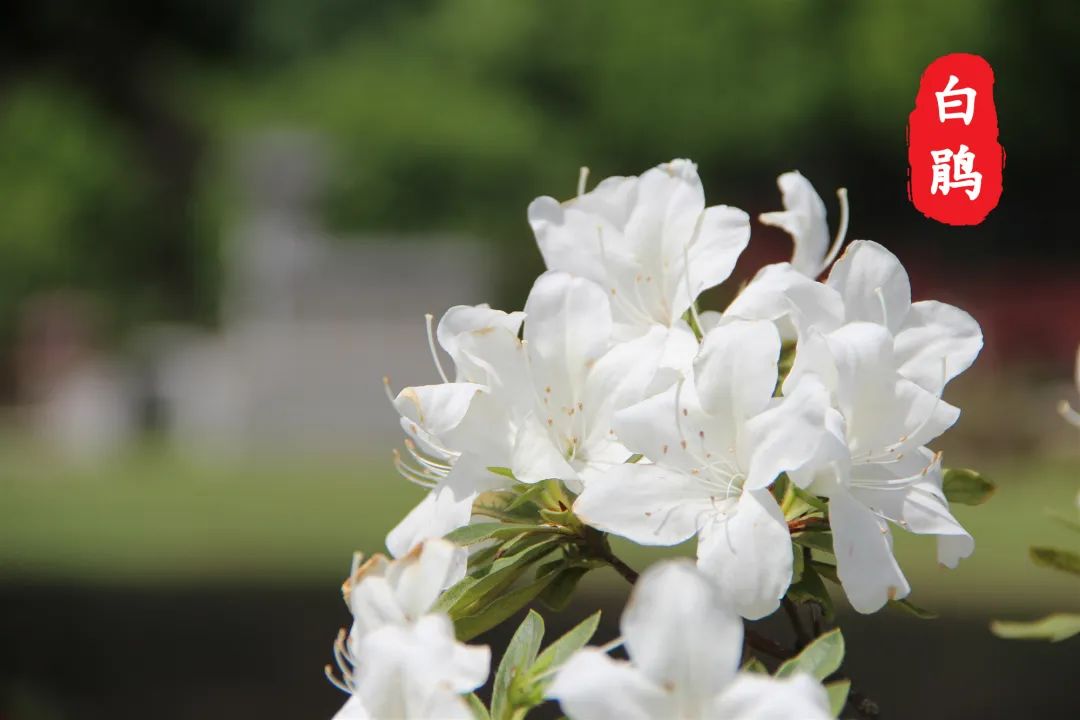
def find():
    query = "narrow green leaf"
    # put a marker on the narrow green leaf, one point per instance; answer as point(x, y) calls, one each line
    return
point(558, 594)
point(826, 570)
point(809, 498)
point(913, 609)
point(797, 564)
point(531, 494)
point(519, 656)
point(753, 665)
point(838, 694)
point(1063, 560)
point(500, 609)
point(477, 706)
point(503, 471)
point(1056, 627)
point(966, 487)
point(559, 651)
point(820, 540)
point(479, 532)
point(475, 591)
point(821, 658)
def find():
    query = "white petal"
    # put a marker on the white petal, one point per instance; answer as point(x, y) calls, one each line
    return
point(721, 235)
point(864, 558)
point(782, 294)
point(651, 428)
point(936, 343)
point(749, 555)
point(760, 697)
point(484, 345)
point(536, 457)
point(786, 436)
point(420, 577)
point(592, 686)
point(679, 635)
point(437, 514)
point(804, 219)
point(371, 598)
point(436, 408)
point(874, 285)
point(736, 371)
point(567, 329)
point(649, 504)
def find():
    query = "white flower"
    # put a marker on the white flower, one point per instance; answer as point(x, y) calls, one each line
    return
point(414, 671)
point(716, 441)
point(1065, 408)
point(648, 241)
point(933, 342)
point(444, 421)
point(399, 660)
point(684, 648)
point(383, 592)
point(803, 217)
point(875, 466)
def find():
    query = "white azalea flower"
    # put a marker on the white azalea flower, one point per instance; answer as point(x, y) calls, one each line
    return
point(684, 647)
point(443, 421)
point(716, 442)
point(413, 671)
point(648, 241)
point(804, 218)
point(934, 342)
point(399, 660)
point(875, 467)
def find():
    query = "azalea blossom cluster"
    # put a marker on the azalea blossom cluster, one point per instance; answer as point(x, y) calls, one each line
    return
point(808, 402)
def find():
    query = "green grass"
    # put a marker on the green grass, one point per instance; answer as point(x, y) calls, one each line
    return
point(153, 517)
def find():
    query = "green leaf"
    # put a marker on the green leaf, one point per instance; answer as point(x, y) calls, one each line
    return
point(1063, 560)
point(966, 487)
point(753, 665)
point(559, 651)
point(519, 656)
point(479, 532)
point(826, 570)
point(475, 591)
point(838, 694)
point(503, 471)
point(799, 560)
point(809, 498)
point(557, 595)
point(477, 706)
point(820, 540)
point(913, 609)
point(500, 609)
point(531, 494)
point(821, 658)
point(1056, 627)
point(810, 588)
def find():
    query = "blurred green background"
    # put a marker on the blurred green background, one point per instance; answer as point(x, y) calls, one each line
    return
point(207, 587)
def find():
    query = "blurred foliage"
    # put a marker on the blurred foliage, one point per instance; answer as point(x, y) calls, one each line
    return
point(117, 126)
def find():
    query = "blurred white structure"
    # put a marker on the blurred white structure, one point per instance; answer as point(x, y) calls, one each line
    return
point(311, 324)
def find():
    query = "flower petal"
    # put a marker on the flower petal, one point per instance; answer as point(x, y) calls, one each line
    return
point(436, 409)
point(484, 345)
point(736, 371)
point(749, 555)
point(784, 295)
point(648, 504)
point(592, 686)
point(420, 577)
point(936, 343)
point(803, 218)
point(864, 557)
point(679, 634)
point(535, 455)
point(760, 697)
point(786, 436)
point(873, 284)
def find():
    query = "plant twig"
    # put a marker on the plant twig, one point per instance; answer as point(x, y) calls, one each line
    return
point(802, 637)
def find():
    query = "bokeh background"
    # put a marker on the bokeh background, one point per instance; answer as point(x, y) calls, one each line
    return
point(221, 225)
